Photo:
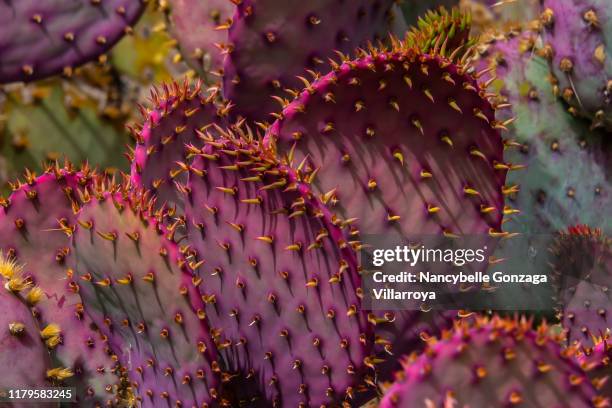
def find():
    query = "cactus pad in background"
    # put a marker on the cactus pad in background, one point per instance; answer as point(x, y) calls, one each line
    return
point(200, 29)
point(551, 191)
point(147, 56)
point(34, 222)
point(493, 362)
point(272, 42)
point(39, 39)
point(500, 16)
point(578, 42)
point(179, 113)
point(278, 276)
point(400, 141)
point(134, 289)
point(50, 121)
point(582, 270)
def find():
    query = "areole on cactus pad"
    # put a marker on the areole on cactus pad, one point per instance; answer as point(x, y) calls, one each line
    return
point(278, 276)
point(400, 140)
point(179, 114)
point(493, 362)
point(29, 358)
point(135, 290)
point(34, 224)
point(578, 41)
point(272, 42)
point(39, 39)
point(200, 29)
point(582, 269)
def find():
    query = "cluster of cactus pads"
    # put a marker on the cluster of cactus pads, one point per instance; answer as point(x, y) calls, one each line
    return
point(224, 270)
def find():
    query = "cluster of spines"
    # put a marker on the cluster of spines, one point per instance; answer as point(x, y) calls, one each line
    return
point(507, 350)
point(180, 346)
point(262, 172)
point(388, 59)
point(451, 29)
point(180, 112)
point(19, 285)
point(37, 208)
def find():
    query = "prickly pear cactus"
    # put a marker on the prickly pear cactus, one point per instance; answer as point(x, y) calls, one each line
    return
point(578, 37)
point(272, 42)
point(42, 39)
point(379, 133)
point(414, 9)
point(34, 222)
point(493, 362)
point(180, 113)
point(20, 333)
point(402, 332)
point(279, 279)
point(200, 29)
point(133, 288)
point(441, 28)
point(550, 191)
point(500, 16)
point(596, 361)
point(583, 272)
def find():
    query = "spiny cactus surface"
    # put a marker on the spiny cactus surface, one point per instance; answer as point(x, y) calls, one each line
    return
point(550, 191)
point(596, 362)
point(134, 289)
point(400, 140)
point(271, 42)
point(583, 271)
point(28, 358)
point(278, 276)
point(39, 39)
point(34, 222)
point(578, 36)
point(180, 113)
point(58, 119)
point(494, 362)
point(200, 29)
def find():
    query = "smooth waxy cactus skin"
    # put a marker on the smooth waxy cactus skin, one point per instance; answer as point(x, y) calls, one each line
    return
point(578, 42)
point(34, 222)
point(493, 363)
point(133, 289)
point(198, 28)
point(180, 112)
point(382, 159)
point(42, 39)
point(281, 294)
point(583, 271)
point(269, 48)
